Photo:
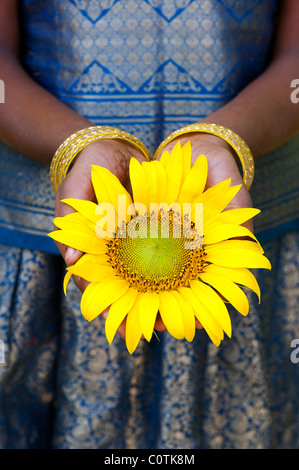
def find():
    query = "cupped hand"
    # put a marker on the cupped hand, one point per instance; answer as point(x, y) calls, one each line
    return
point(114, 155)
point(222, 165)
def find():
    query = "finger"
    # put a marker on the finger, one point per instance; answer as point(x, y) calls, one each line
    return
point(80, 282)
point(222, 167)
point(71, 256)
point(159, 325)
point(76, 184)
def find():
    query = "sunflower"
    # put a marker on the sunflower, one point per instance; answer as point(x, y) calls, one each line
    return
point(185, 265)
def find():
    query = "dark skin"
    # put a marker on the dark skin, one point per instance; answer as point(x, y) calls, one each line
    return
point(35, 123)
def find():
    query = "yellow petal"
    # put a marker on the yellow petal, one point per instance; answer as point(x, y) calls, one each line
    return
point(165, 158)
point(210, 201)
point(244, 244)
point(237, 216)
point(241, 276)
point(195, 182)
point(139, 183)
point(133, 327)
point(237, 254)
point(214, 304)
point(161, 181)
point(218, 233)
point(86, 208)
point(80, 241)
point(85, 259)
point(148, 309)
point(213, 337)
point(100, 295)
point(229, 290)
point(212, 218)
point(201, 312)
point(66, 281)
point(151, 176)
point(227, 197)
point(174, 174)
point(214, 193)
point(88, 259)
point(92, 272)
point(171, 314)
point(187, 155)
point(88, 267)
point(108, 187)
point(118, 312)
point(75, 221)
point(187, 315)
point(218, 196)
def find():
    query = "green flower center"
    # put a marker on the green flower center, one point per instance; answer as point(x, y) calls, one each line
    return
point(154, 256)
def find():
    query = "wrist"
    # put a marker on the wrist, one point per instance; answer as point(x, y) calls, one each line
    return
point(112, 154)
point(68, 151)
point(240, 147)
point(208, 140)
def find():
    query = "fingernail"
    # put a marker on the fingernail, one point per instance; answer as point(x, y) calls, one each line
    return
point(104, 314)
point(69, 254)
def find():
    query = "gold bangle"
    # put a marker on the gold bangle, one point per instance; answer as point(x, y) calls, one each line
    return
point(69, 149)
point(233, 139)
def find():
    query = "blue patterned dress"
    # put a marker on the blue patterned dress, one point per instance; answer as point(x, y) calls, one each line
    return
point(148, 67)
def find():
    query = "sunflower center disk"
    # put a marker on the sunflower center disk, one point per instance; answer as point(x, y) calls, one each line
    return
point(152, 256)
